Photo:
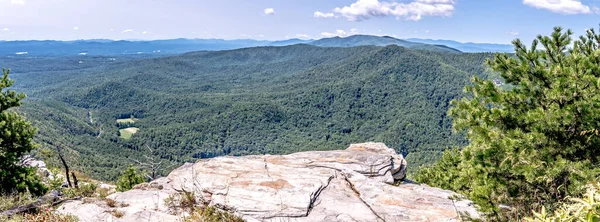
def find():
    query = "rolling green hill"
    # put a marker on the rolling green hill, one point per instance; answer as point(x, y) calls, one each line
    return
point(247, 101)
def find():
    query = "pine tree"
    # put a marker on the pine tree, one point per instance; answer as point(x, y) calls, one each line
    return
point(16, 136)
point(129, 179)
point(535, 143)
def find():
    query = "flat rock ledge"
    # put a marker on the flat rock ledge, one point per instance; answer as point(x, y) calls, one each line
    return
point(354, 184)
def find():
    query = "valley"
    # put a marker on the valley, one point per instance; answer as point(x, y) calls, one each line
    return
point(259, 100)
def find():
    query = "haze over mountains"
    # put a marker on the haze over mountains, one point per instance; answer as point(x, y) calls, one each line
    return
point(176, 46)
point(467, 47)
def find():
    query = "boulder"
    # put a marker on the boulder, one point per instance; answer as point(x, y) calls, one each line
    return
point(29, 161)
point(354, 184)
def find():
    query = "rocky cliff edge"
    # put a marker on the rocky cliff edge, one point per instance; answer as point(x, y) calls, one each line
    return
point(354, 184)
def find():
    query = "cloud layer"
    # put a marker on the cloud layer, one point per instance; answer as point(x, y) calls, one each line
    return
point(17, 2)
point(269, 11)
point(560, 6)
point(367, 9)
point(319, 14)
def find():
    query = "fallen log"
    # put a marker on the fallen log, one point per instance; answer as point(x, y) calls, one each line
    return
point(32, 207)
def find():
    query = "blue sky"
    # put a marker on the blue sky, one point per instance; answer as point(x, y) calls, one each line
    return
point(492, 21)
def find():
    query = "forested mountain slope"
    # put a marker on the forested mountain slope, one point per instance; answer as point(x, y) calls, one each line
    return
point(249, 101)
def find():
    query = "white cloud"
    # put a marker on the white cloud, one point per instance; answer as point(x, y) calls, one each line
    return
point(319, 14)
point(127, 31)
point(437, 1)
point(269, 11)
point(513, 33)
point(17, 2)
point(302, 36)
point(145, 32)
point(340, 33)
point(328, 34)
point(414, 10)
point(560, 6)
point(76, 28)
point(5, 29)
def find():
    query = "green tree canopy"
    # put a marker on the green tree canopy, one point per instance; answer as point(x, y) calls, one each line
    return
point(536, 143)
point(16, 136)
point(129, 179)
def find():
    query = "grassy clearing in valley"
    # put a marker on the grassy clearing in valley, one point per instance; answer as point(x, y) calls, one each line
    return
point(127, 133)
point(128, 120)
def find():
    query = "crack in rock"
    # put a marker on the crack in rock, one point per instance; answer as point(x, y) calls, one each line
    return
point(315, 195)
point(363, 201)
point(313, 199)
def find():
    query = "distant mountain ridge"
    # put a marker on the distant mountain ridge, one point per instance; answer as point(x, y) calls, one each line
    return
point(360, 40)
point(120, 47)
point(290, 42)
point(105, 47)
point(356, 40)
point(468, 46)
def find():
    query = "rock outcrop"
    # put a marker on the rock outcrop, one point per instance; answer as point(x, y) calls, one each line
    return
point(29, 161)
point(354, 184)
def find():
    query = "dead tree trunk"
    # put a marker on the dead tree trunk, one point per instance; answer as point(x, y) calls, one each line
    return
point(65, 165)
point(75, 181)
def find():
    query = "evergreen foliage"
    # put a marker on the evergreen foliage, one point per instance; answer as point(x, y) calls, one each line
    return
point(16, 135)
point(532, 145)
point(129, 179)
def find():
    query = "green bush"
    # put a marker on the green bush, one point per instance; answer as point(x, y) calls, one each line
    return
point(129, 179)
point(84, 190)
point(56, 181)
